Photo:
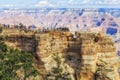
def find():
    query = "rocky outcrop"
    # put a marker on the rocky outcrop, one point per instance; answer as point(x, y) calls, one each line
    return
point(88, 56)
point(98, 58)
point(50, 43)
point(19, 39)
point(107, 60)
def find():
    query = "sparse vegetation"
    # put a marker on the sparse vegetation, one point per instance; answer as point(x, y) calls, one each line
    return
point(1, 29)
point(14, 64)
point(58, 72)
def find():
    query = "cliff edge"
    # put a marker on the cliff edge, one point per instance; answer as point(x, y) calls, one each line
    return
point(60, 56)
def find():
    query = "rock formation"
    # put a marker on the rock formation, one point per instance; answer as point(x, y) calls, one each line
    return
point(98, 59)
point(88, 56)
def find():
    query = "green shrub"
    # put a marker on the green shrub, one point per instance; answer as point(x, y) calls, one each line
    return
point(1, 29)
point(13, 60)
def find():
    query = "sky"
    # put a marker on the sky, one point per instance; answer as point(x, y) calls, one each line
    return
point(59, 3)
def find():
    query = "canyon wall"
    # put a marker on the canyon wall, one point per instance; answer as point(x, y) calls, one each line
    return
point(83, 56)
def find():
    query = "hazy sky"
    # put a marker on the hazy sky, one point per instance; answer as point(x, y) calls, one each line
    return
point(59, 3)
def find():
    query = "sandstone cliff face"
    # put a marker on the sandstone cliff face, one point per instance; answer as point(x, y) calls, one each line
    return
point(89, 56)
point(98, 58)
point(21, 42)
point(89, 59)
point(19, 39)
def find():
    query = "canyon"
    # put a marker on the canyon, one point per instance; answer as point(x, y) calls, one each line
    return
point(93, 19)
point(63, 56)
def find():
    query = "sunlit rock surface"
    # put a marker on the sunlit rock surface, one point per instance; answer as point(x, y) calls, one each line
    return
point(58, 55)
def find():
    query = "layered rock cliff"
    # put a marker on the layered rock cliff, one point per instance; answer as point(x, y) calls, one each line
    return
point(64, 56)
